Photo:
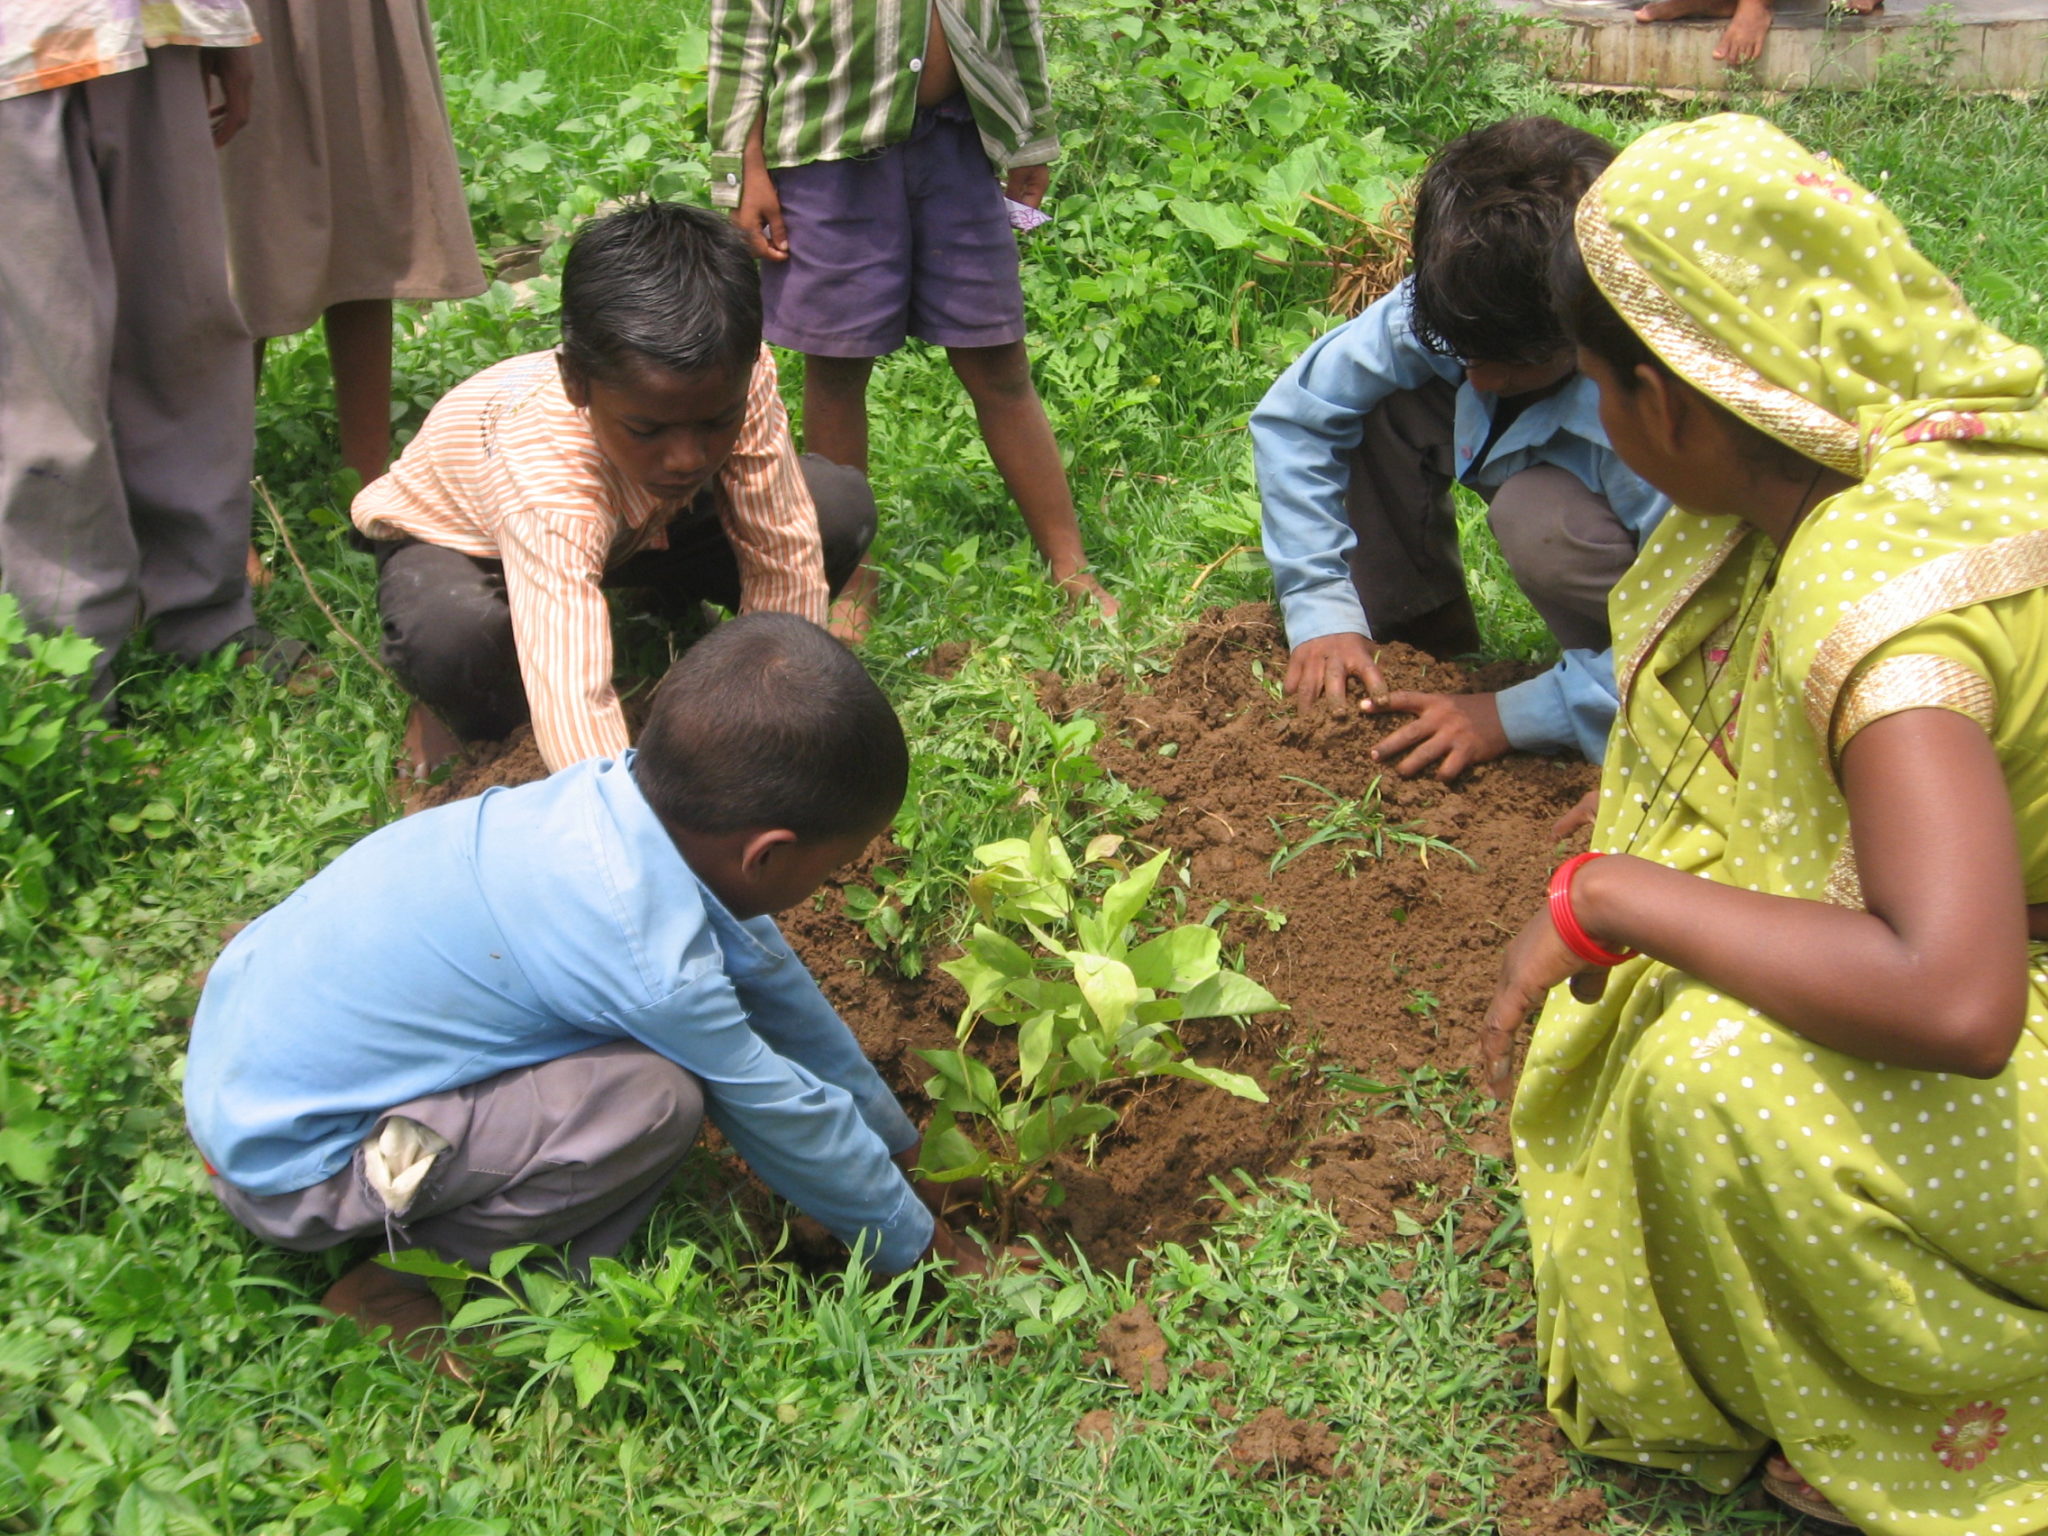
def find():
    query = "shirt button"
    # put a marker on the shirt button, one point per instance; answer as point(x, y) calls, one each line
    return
point(916, 65)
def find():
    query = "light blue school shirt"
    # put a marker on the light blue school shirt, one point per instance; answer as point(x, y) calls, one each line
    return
point(511, 929)
point(1310, 420)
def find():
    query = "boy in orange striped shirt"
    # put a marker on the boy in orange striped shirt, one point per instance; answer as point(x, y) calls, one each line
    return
point(650, 450)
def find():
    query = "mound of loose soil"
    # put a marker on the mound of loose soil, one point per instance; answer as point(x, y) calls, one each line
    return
point(1273, 1445)
point(1387, 962)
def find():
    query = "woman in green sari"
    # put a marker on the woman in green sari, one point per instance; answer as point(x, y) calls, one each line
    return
point(1784, 1138)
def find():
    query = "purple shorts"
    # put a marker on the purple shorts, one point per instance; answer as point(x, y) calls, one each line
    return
point(910, 240)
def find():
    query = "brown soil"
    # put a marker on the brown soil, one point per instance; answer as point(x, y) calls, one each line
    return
point(1386, 968)
point(1136, 1349)
point(1273, 1445)
point(1529, 1501)
point(1387, 963)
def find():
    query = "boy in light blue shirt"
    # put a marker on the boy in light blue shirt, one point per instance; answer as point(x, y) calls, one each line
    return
point(502, 1021)
point(1461, 373)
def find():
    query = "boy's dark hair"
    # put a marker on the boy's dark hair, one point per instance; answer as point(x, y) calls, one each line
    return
point(770, 722)
point(660, 283)
point(1488, 213)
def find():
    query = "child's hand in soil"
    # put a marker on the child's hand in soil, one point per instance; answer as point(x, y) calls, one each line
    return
point(961, 1253)
point(1536, 961)
point(1580, 815)
point(1323, 667)
point(1454, 731)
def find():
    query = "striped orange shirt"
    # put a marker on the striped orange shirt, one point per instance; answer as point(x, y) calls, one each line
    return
point(505, 468)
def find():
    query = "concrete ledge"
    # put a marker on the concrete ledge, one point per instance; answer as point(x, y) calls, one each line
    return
point(1988, 45)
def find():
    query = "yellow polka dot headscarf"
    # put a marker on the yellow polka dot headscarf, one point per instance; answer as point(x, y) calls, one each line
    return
point(1770, 281)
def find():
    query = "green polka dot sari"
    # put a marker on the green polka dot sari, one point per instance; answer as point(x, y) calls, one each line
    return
point(1741, 1237)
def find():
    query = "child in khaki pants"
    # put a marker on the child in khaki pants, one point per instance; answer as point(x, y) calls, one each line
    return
point(503, 1021)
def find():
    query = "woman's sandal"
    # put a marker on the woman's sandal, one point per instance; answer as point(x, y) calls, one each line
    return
point(1783, 1483)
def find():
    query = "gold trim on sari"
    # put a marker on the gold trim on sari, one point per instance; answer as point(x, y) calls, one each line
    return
point(1977, 574)
point(1900, 683)
point(1700, 358)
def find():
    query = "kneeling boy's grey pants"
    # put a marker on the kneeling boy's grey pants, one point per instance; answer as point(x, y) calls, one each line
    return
point(572, 1153)
point(1563, 542)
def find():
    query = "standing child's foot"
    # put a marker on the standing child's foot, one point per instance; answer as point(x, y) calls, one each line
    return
point(853, 611)
point(374, 1297)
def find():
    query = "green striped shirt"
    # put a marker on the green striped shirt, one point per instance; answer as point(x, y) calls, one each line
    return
point(839, 78)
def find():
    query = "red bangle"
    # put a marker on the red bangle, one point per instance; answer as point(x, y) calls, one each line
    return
point(1566, 921)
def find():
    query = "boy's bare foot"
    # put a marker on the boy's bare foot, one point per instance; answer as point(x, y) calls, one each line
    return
point(1741, 43)
point(1083, 587)
point(374, 1297)
point(259, 573)
point(853, 611)
point(428, 744)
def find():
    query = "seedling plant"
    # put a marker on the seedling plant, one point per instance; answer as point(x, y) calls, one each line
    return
point(1358, 827)
point(1093, 1002)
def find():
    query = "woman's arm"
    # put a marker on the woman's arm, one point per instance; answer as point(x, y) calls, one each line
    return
point(1933, 975)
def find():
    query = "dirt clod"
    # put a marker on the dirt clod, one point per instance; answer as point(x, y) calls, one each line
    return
point(1136, 1349)
point(1273, 1445)
point(1528, 1500)
point(1098, 1426)
point(1393, 1301)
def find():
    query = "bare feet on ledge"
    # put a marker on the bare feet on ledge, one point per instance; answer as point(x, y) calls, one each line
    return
point(1744, 39)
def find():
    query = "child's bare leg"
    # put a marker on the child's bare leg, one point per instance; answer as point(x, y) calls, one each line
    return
point(1020, 441)
point(836, 428)
point(257, 571)
point(359, 352)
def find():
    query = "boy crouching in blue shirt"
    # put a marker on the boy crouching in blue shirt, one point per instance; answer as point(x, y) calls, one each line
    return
point(1461, 374)
point(502, 1021)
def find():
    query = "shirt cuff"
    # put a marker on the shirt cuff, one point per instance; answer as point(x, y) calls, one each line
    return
point(1533, 715)
point(725, 181)
point(1330, 610)
point(1038, 152)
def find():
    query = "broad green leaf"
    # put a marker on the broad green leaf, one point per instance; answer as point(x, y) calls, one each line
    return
point(1102, 846)
point(417, 1261)
point(1229, 1082)
point(983, 983)
point(1034, 1045)
point(1223, 226)
point(1083, 1121)
point(483, 1310)
point(1110, 991)
point(505, 1260)
point(1035, 1137)
point(947, 1154)
point(23, 1156)
point(1177, 960)
point(974, 1083)
point(592, 1368)
point(1071, 1299)
point(1227, 994)
point(1088, 1053)
point(998, 951)
point(1122, 902)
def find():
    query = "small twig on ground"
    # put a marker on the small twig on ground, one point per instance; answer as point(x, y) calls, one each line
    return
point(1211, 568)
point(284, 536)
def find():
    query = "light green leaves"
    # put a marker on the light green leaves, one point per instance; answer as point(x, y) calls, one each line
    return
point(1091, 1011)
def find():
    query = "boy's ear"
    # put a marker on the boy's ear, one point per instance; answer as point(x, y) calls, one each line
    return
point(575, 384)
point(762, 849)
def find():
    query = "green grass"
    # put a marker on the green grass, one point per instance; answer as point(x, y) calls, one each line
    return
point(160, 1371)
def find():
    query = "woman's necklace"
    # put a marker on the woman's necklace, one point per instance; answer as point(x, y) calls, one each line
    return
point(1714, 677)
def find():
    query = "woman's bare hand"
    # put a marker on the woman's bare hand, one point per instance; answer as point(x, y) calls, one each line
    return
point(1536, 961)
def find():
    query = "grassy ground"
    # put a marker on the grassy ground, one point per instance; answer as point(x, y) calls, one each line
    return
point(158, 1372)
